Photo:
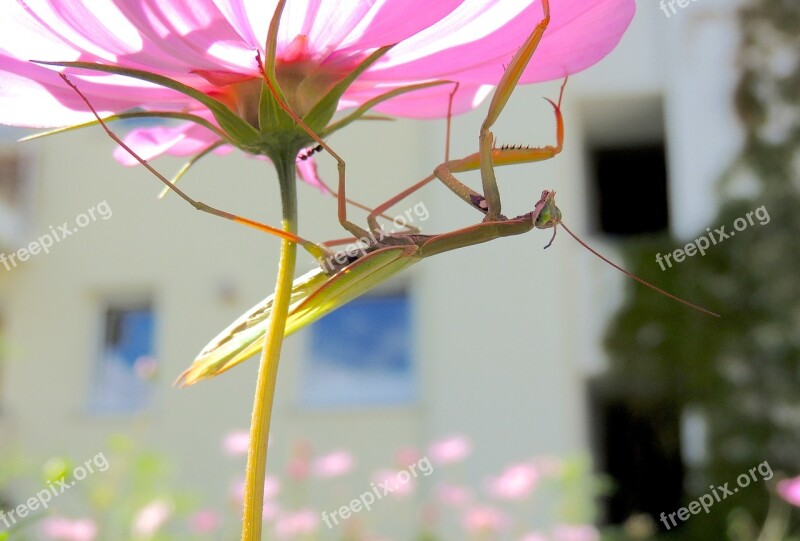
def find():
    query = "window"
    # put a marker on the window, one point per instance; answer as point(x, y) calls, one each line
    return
point(360, 355)
point(124, 374)
point(628, 184)
point(638, 442)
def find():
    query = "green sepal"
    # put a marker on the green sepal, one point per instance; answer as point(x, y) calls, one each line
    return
point(137, 114)
point(322, 112)
point(366, 106)
point(240, 132)
point(274, 121)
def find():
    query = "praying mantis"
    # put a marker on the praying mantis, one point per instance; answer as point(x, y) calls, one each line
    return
point(343, 276)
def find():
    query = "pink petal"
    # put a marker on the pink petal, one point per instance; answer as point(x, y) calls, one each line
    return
point(34, 96)
point(579, 35)
point(789, 490)
point(394, 21)
point(307, 171)
point(185, 139)
point(430, 102)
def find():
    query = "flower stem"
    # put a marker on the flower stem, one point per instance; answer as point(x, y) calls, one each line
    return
point(270, 355)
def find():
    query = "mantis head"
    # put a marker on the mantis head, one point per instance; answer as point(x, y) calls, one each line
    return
point(546, 214)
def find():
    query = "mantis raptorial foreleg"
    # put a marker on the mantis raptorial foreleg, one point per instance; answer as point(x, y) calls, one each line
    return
point(317, 251)
point(488, 156)
point(499, 156)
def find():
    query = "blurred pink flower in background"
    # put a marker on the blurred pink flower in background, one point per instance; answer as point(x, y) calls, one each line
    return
point(272, 486)
point(333, 464)
point(235, 443)
point(64, 529)
point(451, 449)
point(297, 523)
point(533, 536)
point(517, 482)
point(299, 465)
point(271, 510)
point(400, 482)
point(568, 532)
point(454, 495)
point(204, 522)
point(483, 519)
point(407, 456)
point(236, 491)
point(150, 518)
point(789, 490)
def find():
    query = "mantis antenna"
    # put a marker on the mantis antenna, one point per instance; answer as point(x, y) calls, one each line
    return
point(631, 275)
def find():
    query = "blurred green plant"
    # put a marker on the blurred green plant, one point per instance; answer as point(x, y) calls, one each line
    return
point(742, 371)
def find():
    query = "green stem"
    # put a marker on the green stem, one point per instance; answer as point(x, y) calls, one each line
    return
point(270, 355)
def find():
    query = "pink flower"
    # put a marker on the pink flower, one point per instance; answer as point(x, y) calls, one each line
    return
point(789, 490)
point(297, 523)
point(209, 46)
point(333, 464)
point(299, 465)
point(204, 522)
point(451, 449)
point(272, 486)
point(567, 532)
point(398, 482)
point(533, 536)
point(236, 492)
point(454, 495)
point(236, 443)
point(150, 518)
point(64, 529)
point(484, 519)
point(271, 510)
point(406, 456)
point(516, 482)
